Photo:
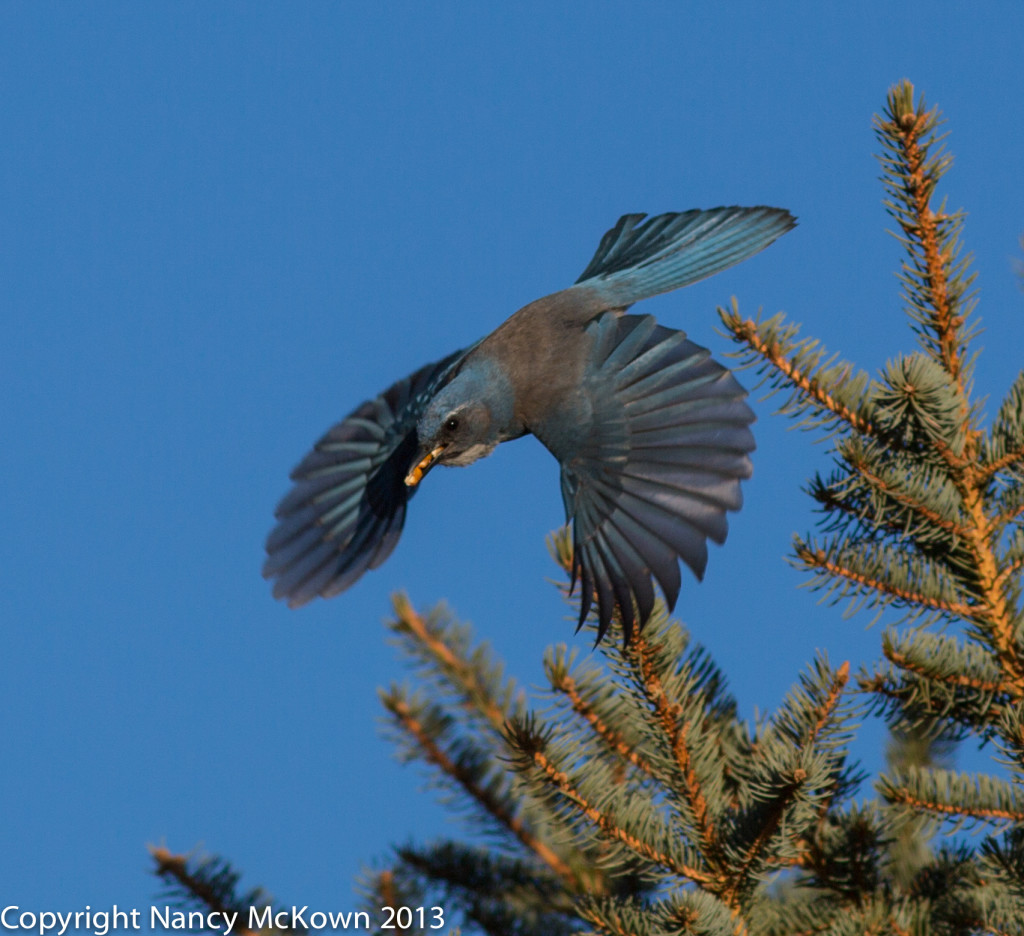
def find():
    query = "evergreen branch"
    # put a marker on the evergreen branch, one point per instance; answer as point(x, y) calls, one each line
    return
point(788, 768)
point(802, 370)
point(898, 929)
point(470, 752)
point(940, 686)
point(871, 915)
point(396, 886)
point(503, 895)
point(955, 796)
point(562, 681)
point(958, 463)
point(827, 711)
point(384, 888)
point(899, 795)
point(614, 918)
point(386, 891)
point(210, 883)
point(957, 894)
point(890, 497)
point(818, 559)
point(563, 784)
point(843, 858)
point(464, 778)
point(995, 608)
point(1001, 464)
point(931, 516)
point(918, 407)
point(945, 660)
point(1003, 519)
point(1012, 558)
point(1005, 446)
point(795, 915)
point(1011, 743)
point(459, 671)
point(740, 873)
point(827, 708)
point(953, 679)
point(1010, 568)
point(912, 172)
point(1004, 860)
point(690, 912)
point(676, 732)
point(661, 810)
point(914, 701)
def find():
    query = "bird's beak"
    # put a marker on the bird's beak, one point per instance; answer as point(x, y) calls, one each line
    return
point(423, 466)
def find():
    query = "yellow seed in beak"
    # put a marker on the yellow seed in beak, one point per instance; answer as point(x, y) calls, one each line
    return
point(423, 466)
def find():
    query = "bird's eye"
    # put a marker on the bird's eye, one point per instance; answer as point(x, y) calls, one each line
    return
point(452, 423)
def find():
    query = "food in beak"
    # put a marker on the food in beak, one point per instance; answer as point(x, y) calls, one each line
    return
point(423, 466)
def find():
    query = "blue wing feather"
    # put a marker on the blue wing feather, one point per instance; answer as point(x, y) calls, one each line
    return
point(346, 511)
point(644, 493)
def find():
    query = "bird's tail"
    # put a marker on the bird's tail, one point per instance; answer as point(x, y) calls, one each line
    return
point(635, 261)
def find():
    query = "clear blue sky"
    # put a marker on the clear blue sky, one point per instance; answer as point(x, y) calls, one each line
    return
point(222, 226)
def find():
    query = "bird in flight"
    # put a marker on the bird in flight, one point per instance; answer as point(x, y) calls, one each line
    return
point(652, 436)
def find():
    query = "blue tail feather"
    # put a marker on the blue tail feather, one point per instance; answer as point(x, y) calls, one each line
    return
point(637, 260)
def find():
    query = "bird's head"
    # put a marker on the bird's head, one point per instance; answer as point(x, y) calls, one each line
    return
point(465, 421)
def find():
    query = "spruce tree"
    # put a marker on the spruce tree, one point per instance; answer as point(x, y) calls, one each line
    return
point(633, 799)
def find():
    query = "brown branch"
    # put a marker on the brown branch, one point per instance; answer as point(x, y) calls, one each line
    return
point(998, 612)
point(676, 733)
point(618, 927)
point(879, 684)
point(909, 502)
point(461, 671)
point(739, 924)
point(746, 331)
point(842, 679)
point(956, 463)
point(1000, 464)
point(1009, 570)
point(175, 867)
point(1002, 520)
point(827, 708)
point(924, 230)
point(971, 479)
point(600, 727)
point(818, 559)
point(957, 679)
point(739, 874)
point(562, 782)
point(825, 712)
point(435, 754)
point(385, 888)
point(855, 512)
point(903, 795)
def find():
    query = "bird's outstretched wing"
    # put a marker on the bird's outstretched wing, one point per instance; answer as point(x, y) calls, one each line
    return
point(653, 473)
point(635, 261)
point(346, 511)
